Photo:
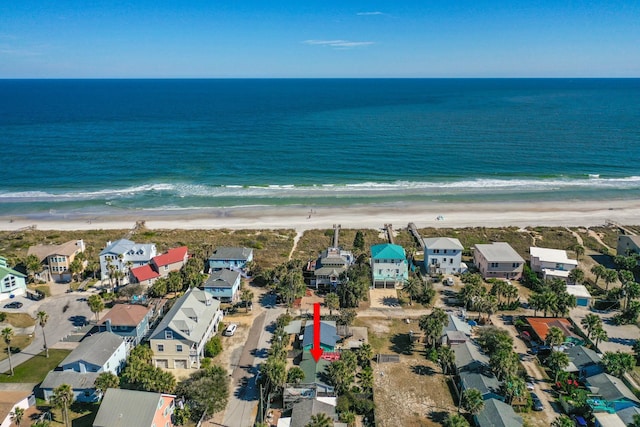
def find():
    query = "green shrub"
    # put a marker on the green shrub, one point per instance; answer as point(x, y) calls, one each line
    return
point(213, 347)
point(3, 316)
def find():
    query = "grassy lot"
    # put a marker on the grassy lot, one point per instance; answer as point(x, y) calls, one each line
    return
point(412, 392)
point(19, 320)
point(590, 242)
point(553, 237)
point(18, 342)
point(35, 369)
point(81, 414)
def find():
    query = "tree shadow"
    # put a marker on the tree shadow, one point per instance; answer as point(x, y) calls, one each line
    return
point(438, 416)
point(401, 344)
point(605, 260)
point(390, 302)
point(423, 370)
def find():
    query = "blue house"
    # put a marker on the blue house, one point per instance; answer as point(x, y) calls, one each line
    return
point(130, 321)
point(230, 257)
point(489, 386)
point(583, 361)
point(611, 394)
point(389, 267)
point(328, 336)
point(223, 285)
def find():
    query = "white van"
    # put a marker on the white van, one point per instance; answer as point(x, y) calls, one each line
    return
point(230, 330)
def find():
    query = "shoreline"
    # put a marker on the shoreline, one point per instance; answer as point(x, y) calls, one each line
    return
point(301, 218)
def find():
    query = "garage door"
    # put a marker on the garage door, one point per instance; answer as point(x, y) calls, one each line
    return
point(162, 363)
point(181, 364)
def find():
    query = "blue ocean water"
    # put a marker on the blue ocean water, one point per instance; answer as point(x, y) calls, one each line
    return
point(91, 145)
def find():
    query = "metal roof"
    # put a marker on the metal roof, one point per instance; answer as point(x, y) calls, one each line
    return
point(388, 251)
point(442, 243)
point(229, 252)
point(95, 349)
point(120, 408)
point(498, 252)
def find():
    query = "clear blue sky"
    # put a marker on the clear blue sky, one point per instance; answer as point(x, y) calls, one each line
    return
point(328, 38)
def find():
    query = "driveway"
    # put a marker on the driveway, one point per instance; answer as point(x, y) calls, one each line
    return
point(62, 321)
point(621, 338)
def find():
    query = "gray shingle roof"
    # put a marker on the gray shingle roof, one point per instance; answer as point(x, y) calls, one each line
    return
point(581, 356)
point(303, 410)
point(481, 382)
point(468, 357)
point(497, 414)
point(233, 253)
point(499, 252)
point(95, 349)
point(135, 408)
point(77, 380)
point(610, 388)
point(133, 251)
point(181, 316)
point(443, 243)
point(222, 279)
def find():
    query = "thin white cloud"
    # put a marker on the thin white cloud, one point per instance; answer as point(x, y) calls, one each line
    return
point(369, 13)
point(337, 43)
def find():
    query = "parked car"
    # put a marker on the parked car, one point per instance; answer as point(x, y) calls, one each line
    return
point(14, 304)
point(537, 403)
point(530, 385)
point(449, 281)
point(525, 335)
point(230, 330)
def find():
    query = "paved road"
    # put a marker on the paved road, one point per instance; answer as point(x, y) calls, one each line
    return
point(59, 325)
point(243, 402)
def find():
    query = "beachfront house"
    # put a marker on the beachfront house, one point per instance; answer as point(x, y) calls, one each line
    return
point(628, 245)
point(389, 267)
point(56, 259)
point(331, 263)
point(223, 285)
point(159, 266)
point(551, 263)
point(119, 257)
point(135, 408)
point(498, 260)
point(178, 341)
point(442, 255)
point(232, 258)
point(144, 275)
point(103, 352)
point(12, 283)
point(130, 321)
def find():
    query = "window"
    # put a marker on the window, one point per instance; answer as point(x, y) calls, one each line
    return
point(436, 251)
point(494, 265)
point(451, 261)
point(160, 347)
point(166, 267)
point(445, 251)
point(444, 260)
point(179, 347)
point(516, 264)
point(168, 335)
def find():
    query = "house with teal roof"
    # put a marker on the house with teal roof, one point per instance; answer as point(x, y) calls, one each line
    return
point(12, 283)
point(389, 267)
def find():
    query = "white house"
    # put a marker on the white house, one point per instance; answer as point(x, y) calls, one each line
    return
point(551, 263)
point(12, 399)
point(123, 255)
point(442, 255)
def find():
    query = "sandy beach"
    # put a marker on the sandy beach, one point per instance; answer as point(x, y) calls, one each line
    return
point(443, 215)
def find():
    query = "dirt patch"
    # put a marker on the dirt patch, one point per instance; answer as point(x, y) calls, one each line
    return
point(383, 298)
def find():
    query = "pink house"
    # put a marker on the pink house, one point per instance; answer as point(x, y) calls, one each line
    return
point(136, 408)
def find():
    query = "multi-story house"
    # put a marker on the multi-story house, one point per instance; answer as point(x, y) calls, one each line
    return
point(389, 267)
point(232, 258)
point(121, 407)
point(12, 283)
point(628, 244)
point(442, 255)
point(123, 255)
point(223, 285)
point(330, 265)
point(551, 263)
point(179, 340)
point(130, 321)
point(159, 266)
point(56, 259)
point(498, 260)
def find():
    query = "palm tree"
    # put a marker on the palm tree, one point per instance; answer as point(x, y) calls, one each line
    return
point(557, 361)
point(590, 323)
point(455, 420)
point(598, 270)
point(471, 401)
point(514, 386)
point(75, 267)
point(62, 398)
point(17, 415)
point(96, 304)
point(576, 275)
point(446, 359)
point(412, 287)
point(562, 421)
point(504, 363)
point(320, 420)
point(295, 375)
point(33, 265)
point(549, 301)
point(632, 291)
point(579, 250)
point(7, 336)
point(332, 301)
point(511, 292)
point(609, 277)
point(246, 296)
point(42, 318)
point(106, 380)
point(555, 336)
point(600, 334)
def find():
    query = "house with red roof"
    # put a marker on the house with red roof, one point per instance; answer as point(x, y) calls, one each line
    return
point(160, 266)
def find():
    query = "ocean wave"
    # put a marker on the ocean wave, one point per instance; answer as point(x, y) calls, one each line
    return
point(362, 189)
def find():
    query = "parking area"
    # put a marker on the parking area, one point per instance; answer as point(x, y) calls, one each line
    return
point(621, 338)
point(383, 298)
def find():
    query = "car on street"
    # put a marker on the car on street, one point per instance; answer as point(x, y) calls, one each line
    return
point(14, 304)
point(537, 403)
point(530, 384)
point(230, 330)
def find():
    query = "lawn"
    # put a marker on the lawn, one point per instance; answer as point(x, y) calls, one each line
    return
point(18, 342)
point(80, 414)
point(35, 369)
point(19, 320)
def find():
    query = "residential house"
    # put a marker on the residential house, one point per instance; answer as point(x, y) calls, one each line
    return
point(611, 393)
point(328, 335)
point(628, 245)
point(303, 411)
point(487, 384)
point(135, 408)
point(582, 294)
point(442, 255)
point(12, 399)
point(103, 352)
point(179, 340)
point(551, 263)
point(541, 325)
point(330, 265)
point(231, 258)
point(124, 255)
point(223, 285)
point(498, 260)
point(626, 415)
point(606, 419)
point(389, 267)
point(172, 260)
point(56, 259)
point(469, 358)
point(144, 275)
point(456, 331)
point(316, 373)
point(130, 321)
point(583, 361)
point(496, 413)
point(12, 283)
